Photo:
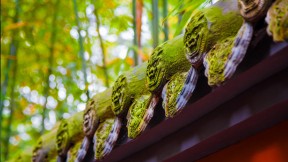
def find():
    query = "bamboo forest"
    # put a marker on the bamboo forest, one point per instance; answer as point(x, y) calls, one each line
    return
point(93, 73)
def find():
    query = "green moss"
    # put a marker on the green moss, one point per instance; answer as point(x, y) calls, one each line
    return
point(24, 156)
point(221, 25)
point(126, 87)
point(173, 90)
point(103, 104)
point(69, 132)
point(136, 115)
point(206, 28)
point(102, 135)
point(154, 71)
point(98, 108)
point(216, 59)
point(62, 139)
point(196, 36)
point(72, 153)
point(45, 149)
point(277, 19)
point(166, 60)
point(119, 95)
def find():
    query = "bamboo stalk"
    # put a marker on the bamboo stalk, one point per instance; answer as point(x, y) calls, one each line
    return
point(50, 64)
point(135, 40)
point(81, 47)
point(13, 52)
point(102, 48)
point(155, 23)
point(165, 14)
point(139, 9)
point(12, 109)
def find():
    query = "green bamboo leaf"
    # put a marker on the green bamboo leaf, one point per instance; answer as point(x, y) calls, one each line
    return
point(189, 8)
point(183, 23)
